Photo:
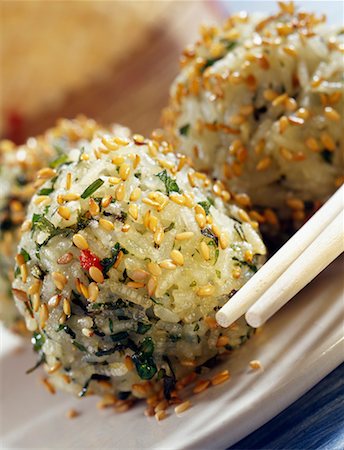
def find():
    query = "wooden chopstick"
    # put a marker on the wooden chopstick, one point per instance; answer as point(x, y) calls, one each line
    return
point(280, 261)
point(322, 251)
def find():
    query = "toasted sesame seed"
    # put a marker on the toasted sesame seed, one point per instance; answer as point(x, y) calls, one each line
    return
point(46, 173)
point(70, 197)
point(223, 240)
point(222, 341)
point(23, 272)
point(49, 387)
point(133, 211)
point(255, 364)
point(295, 203)
point(43, 315)
point(152, 203)
point(153, 223)
point(110, 144)
point(20, 260)
point(220, 377)
point(154, 269)
point(270, 95)
point(248, 256)
point(96, 274)
point(93, 207)
point(119, 259)
point(327, 141)
point(201, 386)
point(106, 201)
point(182, 407)
point(167, 264)
point(263, 164)
point(59, 280)
point(84, 290)
point(205, 251)
point(35, 287)
point(106, 224)
point(177, 198)
point(159, 235)
point(312, 144)
point(161, 406)
point(54, 368)
point(332, 114)
point(294, 120)
point(186, 235)
point(72, 413)
point(290, 50)
point(199, 210)
point(64, 212)
point(201, 220)
point(36, 301)
point(68, 181)
point(160, 415)
point(135, 195)
point(283, 124)
point(151, 286)
point(93, 292)
point(135, 284)
point(106, 401)
point(177, 257)
point(124, 171)
point(114, 180)
point(66, 307)
point(129, 363)
point(206, 291)
point(26, 226)
point(80, 242)
point(286, 154)
point(120, 192)
point(236, 273)
point(42, 200)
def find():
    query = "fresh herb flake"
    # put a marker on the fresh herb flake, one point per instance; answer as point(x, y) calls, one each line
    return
point(170, 184)
point(92, 188)
point(59, 161)
point(184, 130)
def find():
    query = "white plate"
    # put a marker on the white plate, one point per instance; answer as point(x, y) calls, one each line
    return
point(297, 348)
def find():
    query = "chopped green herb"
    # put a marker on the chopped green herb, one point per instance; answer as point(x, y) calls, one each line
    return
point(170, 184)
point(111, 325)
point(193, 283)
point(240, 231)
point(59, 161)
point(174, 338)
point(68, 330)
point(218, 273)
point(196, 327)
point(79, 346)
point(107, 263)
point(119, 336)
point(40, 361)
point(169, 228)
point(143, 360)
point(138, 175)
point(37, 341)
point(45, 191)
point(142, 328)
point(92, 188)
point(184, 130)
point(207, 204)
point(217, 253)
point(25, 254)
point(245, 263)
point(209, 234)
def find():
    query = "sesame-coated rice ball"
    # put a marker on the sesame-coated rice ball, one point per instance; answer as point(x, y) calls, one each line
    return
point(22, 172)
point(259, 104)
point(126, 263)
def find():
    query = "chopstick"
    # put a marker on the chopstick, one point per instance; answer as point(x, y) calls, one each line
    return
point(322, 251)
point(240, 303)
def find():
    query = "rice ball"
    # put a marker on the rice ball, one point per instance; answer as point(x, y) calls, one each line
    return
point(126, 261)
point(258, 103)
point(20, 177)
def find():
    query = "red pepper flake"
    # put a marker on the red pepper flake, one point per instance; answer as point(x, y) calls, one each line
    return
point(88, 260)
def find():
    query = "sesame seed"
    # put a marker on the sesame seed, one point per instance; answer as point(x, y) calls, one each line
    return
point(151, 286)
point(46, 173)
point(255, 364)
point(201, 221)
point(332, 114)
point(222, 341)
point(20, 260)
point(206, 291)
point(270, 95)
point(220, 377)
point(66, 307)
point(59, 280)
point(64, 212)
point(43, 200)
point(54, 368)
point(263, 164)
point(49, 387)
point(129, 363)
point(182, 407)
point(36, 301)
point(106, 224)
point(199, 210)
point(201, 386)
point(186, 235)
point(135, 284)
point(80, 242)
point(224, 241)
point(216, 230)
point(96, 274)
point(236, 273)
point(119, 259)
point(72, 413)
point(106, 201)
point(279, 99)
point(154, 269)
point(70, 197)
point(153, 223)
point(290, 50)
point(152, 203)
point(93, 207)
point(23, 272)
point(286, 154)
point(93, 292)
point(327, 141)
point(68, 181)
point(167, 264)
point(84, 290)
point(135, 195)
point(109, 143)
point(177, 198)
point(159, 235)
point(205, 251)
point(43, 315)
point(139, 275)
point(283, 124)
point(114, 180)
point(133, 211)
point(26, 226)
point(177, 257)
point(124, 171)
point(160, 415)
point(120, 192)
